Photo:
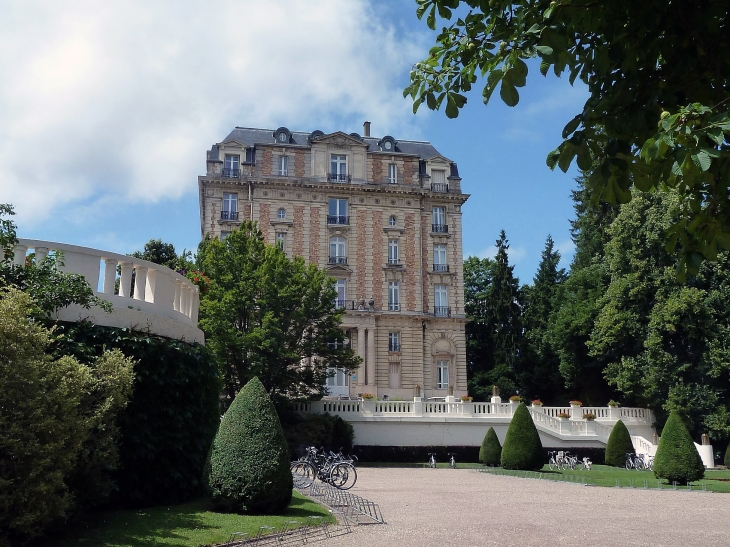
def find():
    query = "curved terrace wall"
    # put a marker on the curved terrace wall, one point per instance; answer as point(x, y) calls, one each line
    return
point(164, 302)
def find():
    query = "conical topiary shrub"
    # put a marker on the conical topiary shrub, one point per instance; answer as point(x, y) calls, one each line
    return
point(248, 466)
point(522, 447)
point(727, 456)
point(619, 444)
point(676, 457)
point(491, 451)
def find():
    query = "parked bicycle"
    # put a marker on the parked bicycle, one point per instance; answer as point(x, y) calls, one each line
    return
point(452, 460)
point(331, 468)
point(585, 464)
point(639, 462)
point(432, 460)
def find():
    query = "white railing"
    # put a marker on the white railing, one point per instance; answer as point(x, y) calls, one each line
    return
point(555, 410)
point(163, 296)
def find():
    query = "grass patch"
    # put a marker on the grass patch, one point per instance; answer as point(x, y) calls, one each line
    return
point(604, 475)
point(188, 525)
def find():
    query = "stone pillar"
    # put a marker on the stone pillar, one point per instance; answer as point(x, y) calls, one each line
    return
point(140, 282)
point(176, 302)
point(371, 357)
point(195, 305)
point(125, 282)
point(40, 254)
point(19, 255)
point(361, 354)
point(110, 275)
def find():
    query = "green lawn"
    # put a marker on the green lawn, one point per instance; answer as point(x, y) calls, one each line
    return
point(187, 525)
point(603, 475)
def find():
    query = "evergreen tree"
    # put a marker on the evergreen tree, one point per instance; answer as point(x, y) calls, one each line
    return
point(619, 444)
point(676, 457)
point(539, 365)
point(490, 453)
point(522, 446)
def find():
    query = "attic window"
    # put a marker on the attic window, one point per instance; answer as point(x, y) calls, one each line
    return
point(387, 144)
point(282, 135)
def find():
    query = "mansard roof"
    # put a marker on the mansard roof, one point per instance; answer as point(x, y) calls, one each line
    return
point(248, 136)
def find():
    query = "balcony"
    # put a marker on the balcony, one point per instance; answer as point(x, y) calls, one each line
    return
point(442, 311)
point(440, 228)
point(229, 215)
point(393, 306)
point(342, 260)
point(393, 261)
point(345, 304)
point(336, 219)
point(440, 187)
point(338, 177)
point(440, 267)
point(231, 172)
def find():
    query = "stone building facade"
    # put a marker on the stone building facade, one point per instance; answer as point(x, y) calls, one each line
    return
point(383, 216)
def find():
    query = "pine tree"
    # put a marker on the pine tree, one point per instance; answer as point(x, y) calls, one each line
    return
point(676, 457)
point(490, 452)
point(522, 446)
point(619, 444)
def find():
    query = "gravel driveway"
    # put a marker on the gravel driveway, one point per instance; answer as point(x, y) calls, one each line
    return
point(445, 507)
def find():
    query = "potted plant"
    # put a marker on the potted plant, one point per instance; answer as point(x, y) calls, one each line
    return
point(563, 415)
point(613, 404)
point(536, 402)
point(613, 410)
point(466, 399)
point(515, 399)
point(589, 416)
point(575, 402)
point(367, 396)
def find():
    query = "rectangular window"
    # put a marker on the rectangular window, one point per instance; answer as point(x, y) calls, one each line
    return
point(249, 155)
point(338, 168)
point(440, 301)
point(224, 235)
point(337, 212)
point(281, 240)
point(439, 259)
point(393, 296)
point(393, 341)
point(438, 181)
point(438, 216)
point(442, 374)
point(230, 166)
point(392, 173)
point(230, 207)
point(393, 251)
point(341, 288)
point(338, 379)
point(283, 166)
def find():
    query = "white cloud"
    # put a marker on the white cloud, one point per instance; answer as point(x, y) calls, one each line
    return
point(515, 254)
point(566, 248)
point(104, 102)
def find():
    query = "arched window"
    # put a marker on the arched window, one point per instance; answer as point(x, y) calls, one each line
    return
point(337, 250)
point(281, 213)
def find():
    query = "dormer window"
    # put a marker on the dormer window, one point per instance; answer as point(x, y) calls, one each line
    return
point(282, 135)
point(387, 144)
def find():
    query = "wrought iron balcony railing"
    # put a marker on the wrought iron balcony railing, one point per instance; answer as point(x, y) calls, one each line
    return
point(338, 177)
point(336, 219)
point(231, 172)
point(229, 215)
point(345, 304)
point(393, 346)
point(393, 261)
point(439, 187)
point(440, 228)
point(337, 260)
point(440, 267)
point(442, 311)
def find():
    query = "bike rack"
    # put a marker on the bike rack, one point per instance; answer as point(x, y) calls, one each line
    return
point(292, 533)
point(352, 507)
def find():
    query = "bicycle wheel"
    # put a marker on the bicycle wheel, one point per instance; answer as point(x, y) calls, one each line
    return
point(552, 464)
point(581, 466)
point(343, 476)
point(629, 464)
point(303, 474)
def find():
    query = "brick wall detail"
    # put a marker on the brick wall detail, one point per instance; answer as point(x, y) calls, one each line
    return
point(410, 167)
point(267, 164)
point(410, 225)
point(424, 263)
point(362, 252)
point(265, 220)
point(299, 163)
point(377, 170)
point(298, 229)
point(377, 258)
point(314, 235)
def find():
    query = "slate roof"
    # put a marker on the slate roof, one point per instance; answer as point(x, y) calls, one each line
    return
point(249, 137)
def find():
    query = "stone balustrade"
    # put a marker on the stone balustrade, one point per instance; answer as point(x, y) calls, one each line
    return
point(163, 301)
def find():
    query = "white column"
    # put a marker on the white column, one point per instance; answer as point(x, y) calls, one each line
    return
point(19, 255)
point(149, 294)
point(110, 275)
point(40, 254)
point(361, 354)
point(125, 282)
point(185, 309)
point(176, 304)
point(195, 306)
point(371, 357)
point(140, 282)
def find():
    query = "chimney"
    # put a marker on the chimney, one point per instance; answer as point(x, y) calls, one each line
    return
point(366, 129)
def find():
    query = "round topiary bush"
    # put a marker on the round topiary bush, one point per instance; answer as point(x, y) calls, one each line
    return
point(676, 457)
point(619, 444)
point(248, 465)
point(491, 451)
point(522, 446)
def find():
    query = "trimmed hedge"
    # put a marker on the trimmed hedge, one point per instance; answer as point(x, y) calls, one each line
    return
point(303, 430)
point(171, 418)
point(676, 457)
point(248, 469)
point(618, 445)
point(491, 451)
point(727, 456)
point(522, 446)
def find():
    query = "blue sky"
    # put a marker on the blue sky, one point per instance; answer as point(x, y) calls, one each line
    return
point(106, 120)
